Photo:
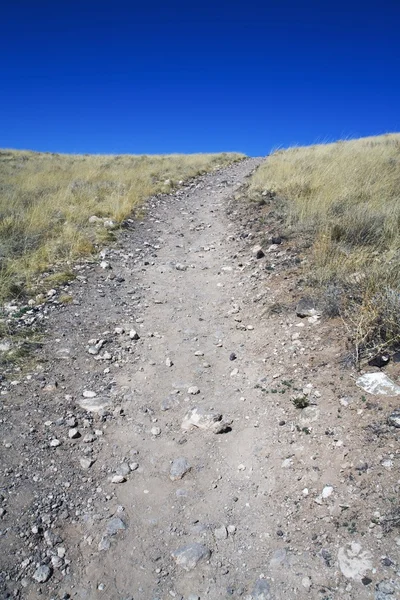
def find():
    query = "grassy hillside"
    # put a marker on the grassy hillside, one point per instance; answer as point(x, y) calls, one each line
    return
point(346, 196)
point(46, 201)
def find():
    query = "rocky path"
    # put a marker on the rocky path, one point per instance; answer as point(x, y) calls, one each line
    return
point(160, 450)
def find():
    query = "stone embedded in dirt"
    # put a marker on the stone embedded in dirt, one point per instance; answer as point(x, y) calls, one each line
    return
point(168, 362)
point(42, 574)
point(232, 356)
point(54, 443)
point(180, 267)
point(193, 390)
point(89, 438)
point(74, 433)
point(378, 384)
point(179, 468)
point(118, 479)
point(86, 463)
point(199, 353)
point(169, 403)
point(200, 418)
point(261, 590)
point(307, 307)
point(189, 556)
point(394, 418)
point(123, 469)
point(221, 533)
point(380, 360)
point(95, 346)
point(89, 394)
point(104, 543)
point(105, 264)
point(133, 334)
point(94, 404)
point(156, 431)
point(114, 525)
point(354, 562)
point(134, 466)
point(258, 252)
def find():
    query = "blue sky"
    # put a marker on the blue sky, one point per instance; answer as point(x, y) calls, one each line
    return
point(159, 77)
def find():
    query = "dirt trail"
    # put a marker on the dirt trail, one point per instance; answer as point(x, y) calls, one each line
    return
point(278, 505)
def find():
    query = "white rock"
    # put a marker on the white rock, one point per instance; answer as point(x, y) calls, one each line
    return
point(89, 394)
point(54, 443)
point(353, 561)
point(74, 433)
point(133, 334)
point(378, 384)
point(168, 362)
point(193, 390)
point(105, 264)
point(156, 431)
point(118, 479)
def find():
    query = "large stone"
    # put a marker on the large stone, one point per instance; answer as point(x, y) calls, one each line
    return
point(42, 574)
point(114, 525)
point(190, 555)
point(354, 562)
point(378, 384)
point(94, 404)
point(179, 468)
point(199, 418)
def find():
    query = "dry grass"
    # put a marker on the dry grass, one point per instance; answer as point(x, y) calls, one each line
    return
point(347, 196)
point(46, 201)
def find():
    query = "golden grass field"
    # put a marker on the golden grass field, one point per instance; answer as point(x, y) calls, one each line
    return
point(346, 196)
point(46, 201)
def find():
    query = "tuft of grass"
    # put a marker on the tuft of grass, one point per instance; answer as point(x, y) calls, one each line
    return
point(46, 201)
point(345, 196)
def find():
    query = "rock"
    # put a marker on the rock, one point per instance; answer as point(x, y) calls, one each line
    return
point(95, 346)
point(261, 590)
point(199, 353)
point(380, 360)
point(56, 562)
point(114, 525)
point(123, 469)
point(104, 543)
point(94, 404)
point(89, 438)
point(378, 384)
point(180, 267)
point(168, 362)
point(156, 431)
point(221, 533)
point(276, 240)
point(134, 335)
point(54, 443)
point(190, 555)
point(394, 418)
point(202, 419)
point(307, 307)
point(42, 574)
point(193, 390)
point(118, 479)
point(73, 434)
point(179, 468)
point(232, 356)
point(134, 466)
point(353, 561)
point(109, 224)
point(169, 403)
point(94, 219)
point(89, 394)
point(258, 252)
point(86, 463)
point(105, 264)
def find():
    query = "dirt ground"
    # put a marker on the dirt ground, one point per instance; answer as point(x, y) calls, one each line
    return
point(114, 488)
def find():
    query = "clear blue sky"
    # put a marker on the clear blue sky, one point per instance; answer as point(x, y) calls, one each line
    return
point(171, 76)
